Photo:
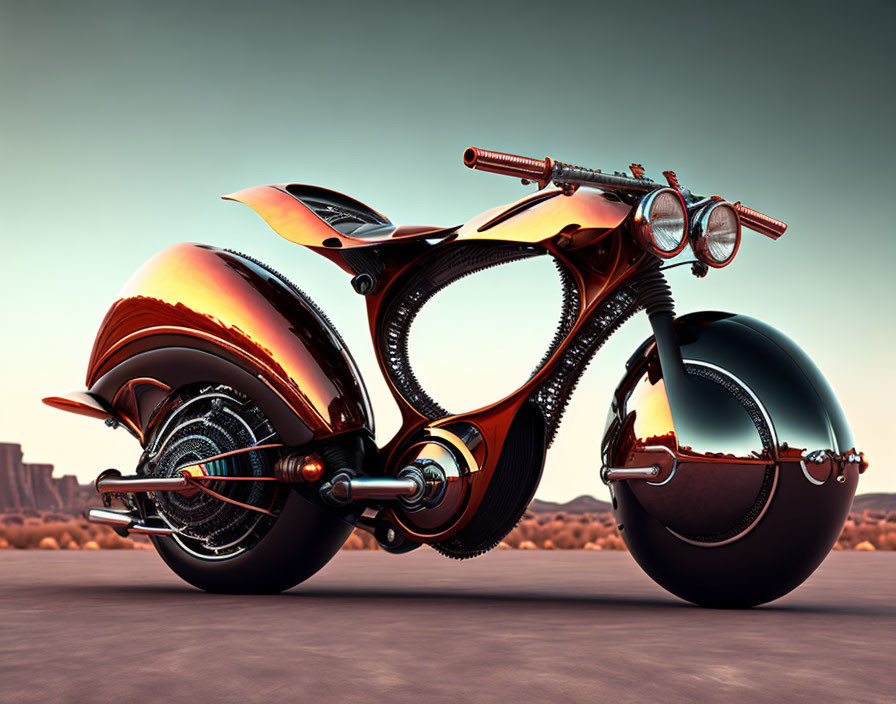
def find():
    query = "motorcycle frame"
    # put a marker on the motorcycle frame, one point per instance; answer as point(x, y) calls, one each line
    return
point(599, 265)
point(587, 232)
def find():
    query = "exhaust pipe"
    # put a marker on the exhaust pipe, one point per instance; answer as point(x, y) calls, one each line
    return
point(111, 482)
point(129, 522)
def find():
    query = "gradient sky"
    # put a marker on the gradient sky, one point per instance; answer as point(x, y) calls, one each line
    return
point(121, 123)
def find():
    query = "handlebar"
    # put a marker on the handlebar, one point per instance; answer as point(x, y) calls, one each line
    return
point(760, 222)
point(508, 164)
point(545, 171)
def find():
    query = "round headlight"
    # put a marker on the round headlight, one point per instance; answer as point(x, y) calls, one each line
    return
point(716, 234)
point(661, 223)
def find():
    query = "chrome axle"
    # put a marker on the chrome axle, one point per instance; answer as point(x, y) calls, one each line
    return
point(613, 474)
point(417, 485)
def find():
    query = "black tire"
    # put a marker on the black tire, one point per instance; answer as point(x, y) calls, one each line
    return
point(302, 540)
point(799, 529)
point(224, 547)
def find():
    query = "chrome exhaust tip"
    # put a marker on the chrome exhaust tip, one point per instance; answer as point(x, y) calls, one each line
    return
point(128, 522)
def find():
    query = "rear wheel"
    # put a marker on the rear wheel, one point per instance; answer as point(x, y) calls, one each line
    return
point(254, 536)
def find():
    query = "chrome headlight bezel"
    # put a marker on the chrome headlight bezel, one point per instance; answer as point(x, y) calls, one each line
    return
point(646, 234)
point(701, 233)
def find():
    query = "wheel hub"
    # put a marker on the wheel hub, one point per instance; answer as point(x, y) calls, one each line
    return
point(210, 423)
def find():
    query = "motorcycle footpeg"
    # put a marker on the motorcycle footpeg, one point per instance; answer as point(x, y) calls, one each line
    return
point(124, 522)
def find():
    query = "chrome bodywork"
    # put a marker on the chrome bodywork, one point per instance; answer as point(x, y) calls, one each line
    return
point(801, 406)
point(788, 391)
point(755, 405)
point(199, 297)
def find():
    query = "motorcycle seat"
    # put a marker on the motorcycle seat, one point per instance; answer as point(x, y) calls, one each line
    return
point(318, 217)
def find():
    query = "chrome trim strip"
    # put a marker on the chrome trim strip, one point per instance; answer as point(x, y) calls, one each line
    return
point(746, 388)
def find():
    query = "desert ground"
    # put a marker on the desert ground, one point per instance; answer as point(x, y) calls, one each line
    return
point(511, 626)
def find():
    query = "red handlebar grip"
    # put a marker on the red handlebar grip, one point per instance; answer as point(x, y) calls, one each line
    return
point(508, 164)
point(760, 222)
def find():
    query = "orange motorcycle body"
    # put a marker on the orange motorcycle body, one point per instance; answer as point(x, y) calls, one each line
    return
point(197, 314)
point(411, 263)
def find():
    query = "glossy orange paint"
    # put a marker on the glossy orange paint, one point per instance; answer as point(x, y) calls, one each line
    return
point(535, 218)
point(226, 301)
point(290, 218)
point(80, 403)
point(549, 213)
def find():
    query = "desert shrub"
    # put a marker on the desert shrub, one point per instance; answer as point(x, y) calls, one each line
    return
point(360, 540)
point(611, 542)
point(560, 531)
point(113, 541)
point(54, 518)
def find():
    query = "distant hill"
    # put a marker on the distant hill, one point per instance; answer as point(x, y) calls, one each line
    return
point(874, 502)
point(581, 504)
point(588, 504)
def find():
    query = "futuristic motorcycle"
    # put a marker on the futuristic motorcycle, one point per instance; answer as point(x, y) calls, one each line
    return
point(729, 460)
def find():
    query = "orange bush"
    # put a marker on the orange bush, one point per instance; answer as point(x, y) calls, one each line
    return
point(559, 531)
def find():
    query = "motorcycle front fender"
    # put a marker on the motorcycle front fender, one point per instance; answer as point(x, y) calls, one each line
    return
point(799, 404)
point(732, 481)
point(197, 314)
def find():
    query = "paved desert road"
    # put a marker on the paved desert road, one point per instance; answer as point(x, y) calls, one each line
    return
point(507, 627)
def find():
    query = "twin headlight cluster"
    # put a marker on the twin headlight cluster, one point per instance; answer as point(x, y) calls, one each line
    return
point(661, 226)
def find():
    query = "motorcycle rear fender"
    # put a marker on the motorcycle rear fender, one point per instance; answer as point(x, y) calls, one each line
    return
point(800, 405)
point(196, 314)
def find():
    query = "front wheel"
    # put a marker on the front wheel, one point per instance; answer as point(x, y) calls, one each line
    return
point(784, 548)
point(223, 546)
point(750, 483)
